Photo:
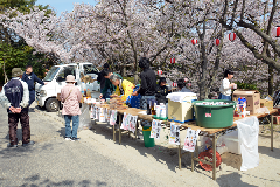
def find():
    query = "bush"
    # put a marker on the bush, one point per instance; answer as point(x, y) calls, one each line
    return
point(247, 86)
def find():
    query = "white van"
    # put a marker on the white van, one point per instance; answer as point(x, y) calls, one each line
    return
point(56, 77)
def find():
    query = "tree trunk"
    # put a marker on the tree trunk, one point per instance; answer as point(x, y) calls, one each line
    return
point(270, 80)
point(6, 78)
point(204, 91)
point(218, 56)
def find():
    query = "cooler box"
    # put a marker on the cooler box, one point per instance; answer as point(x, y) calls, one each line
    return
point(180, 107)
point(252, 99)
point(231, 142)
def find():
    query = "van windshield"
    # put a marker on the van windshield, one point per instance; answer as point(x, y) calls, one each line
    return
point(51, 74)
point(90, 69)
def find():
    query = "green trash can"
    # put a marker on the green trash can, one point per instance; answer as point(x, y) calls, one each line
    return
point(149, 142)
point(214, 116)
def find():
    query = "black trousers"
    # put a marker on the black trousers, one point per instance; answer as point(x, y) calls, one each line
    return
point(13, 120)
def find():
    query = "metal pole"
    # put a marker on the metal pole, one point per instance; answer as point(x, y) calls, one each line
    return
point(271, 132)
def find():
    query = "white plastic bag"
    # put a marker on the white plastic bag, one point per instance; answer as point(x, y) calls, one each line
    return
point(248, 133)
point(84, 118)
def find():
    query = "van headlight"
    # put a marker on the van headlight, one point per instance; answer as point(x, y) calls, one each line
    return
point(43, 93)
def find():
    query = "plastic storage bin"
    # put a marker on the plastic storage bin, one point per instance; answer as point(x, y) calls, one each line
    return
point(231, 142)
point(214, 116)
point(134, 101)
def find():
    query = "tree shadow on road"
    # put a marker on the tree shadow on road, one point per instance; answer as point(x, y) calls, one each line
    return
point(37, 181)
point(232, 179)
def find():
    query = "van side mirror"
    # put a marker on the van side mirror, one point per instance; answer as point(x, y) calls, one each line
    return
point(59, 79)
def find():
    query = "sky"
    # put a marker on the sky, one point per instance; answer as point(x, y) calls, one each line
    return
point(63, 5)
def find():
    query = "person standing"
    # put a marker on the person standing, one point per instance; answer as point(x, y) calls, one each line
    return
point(161, 91)
point(70, 97)
point(17, 100)
point(226, 86)
point(101, 76)
point(147, 86)
point(182, 86)
point(29, 77)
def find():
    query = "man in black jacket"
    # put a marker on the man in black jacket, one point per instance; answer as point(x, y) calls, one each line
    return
point(101, 76)
point(29, 77)
point(148, 85)
point(162, 91)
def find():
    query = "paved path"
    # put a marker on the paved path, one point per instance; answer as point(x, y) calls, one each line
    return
point(53, 161)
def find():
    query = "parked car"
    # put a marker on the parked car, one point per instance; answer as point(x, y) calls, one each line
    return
point(56, 77)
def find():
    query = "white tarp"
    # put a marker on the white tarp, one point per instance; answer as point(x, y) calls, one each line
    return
point(248, 133)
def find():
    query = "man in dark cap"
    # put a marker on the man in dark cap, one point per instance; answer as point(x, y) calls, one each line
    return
point(147, 86)
point(16, 103)
point(162, 91)
point(29, 77)
point(101, 76)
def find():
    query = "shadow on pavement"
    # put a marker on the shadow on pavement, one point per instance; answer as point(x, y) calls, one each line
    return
point(267, 150)
point(161, 153)
point(36, 181)
point(232, 179)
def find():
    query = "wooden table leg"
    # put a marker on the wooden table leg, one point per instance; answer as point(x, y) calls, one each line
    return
point(180, 157)
point(214, 142)
point(120, 129)
point(136, 129)
point(114, 133)
point(128, 134)
point(192, 161)
point(271, 133)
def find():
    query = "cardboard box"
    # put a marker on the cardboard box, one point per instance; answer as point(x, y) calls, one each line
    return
point(252, 99)
point(266, 103)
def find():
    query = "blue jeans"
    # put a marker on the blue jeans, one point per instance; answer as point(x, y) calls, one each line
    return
point(75, 123)
point(221, 96)
point(108, 93)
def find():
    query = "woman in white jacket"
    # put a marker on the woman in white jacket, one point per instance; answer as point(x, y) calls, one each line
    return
point(226, 86)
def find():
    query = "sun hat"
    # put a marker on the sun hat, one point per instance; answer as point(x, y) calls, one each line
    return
point(16, 72)
point(70, 78)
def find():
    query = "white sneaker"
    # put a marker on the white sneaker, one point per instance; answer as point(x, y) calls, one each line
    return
point(67, 138)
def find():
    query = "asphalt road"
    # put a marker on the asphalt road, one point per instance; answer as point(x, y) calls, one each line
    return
point(53, 161)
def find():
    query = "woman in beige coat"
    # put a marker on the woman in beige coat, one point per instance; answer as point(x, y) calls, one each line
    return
point(70, 97)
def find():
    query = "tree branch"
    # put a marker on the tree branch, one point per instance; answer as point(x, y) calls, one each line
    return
point(255, 52)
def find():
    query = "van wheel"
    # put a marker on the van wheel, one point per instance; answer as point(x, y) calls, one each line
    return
point(52, 105)
point(43, 107)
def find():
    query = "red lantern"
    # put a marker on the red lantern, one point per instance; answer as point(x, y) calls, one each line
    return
point(174, 84)
point(172, 60)
point(185, 79)
point(159, 72)
point(276, 31)
point(217, 42)
point(232, 36)
point(194, 41)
